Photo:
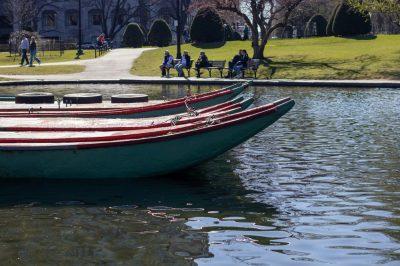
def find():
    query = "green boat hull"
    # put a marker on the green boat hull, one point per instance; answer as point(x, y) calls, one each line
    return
point(182, 109)
point(133, 160)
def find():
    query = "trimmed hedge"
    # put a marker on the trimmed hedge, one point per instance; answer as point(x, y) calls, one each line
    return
point(329, 31)
point(160, 34)
point(207, 27)
point(236, 36)
point(349, 21)
point(320, 22)
point(133, 36)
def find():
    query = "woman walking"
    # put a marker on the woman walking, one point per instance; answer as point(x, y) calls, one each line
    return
point(33, 51)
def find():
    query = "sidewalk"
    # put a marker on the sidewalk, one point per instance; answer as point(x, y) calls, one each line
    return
point(115, 64)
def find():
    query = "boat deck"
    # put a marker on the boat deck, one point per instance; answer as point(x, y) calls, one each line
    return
point(64, 107)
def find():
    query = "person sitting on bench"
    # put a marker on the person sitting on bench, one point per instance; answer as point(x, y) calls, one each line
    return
point(184, 63)
point(232, 63)
point(244, 59)
point(202, 62)
point(167, 63)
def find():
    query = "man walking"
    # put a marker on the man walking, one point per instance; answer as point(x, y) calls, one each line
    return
point(24, 50)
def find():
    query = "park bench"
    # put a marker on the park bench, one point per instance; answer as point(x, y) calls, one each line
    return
point(215, 65)
point(252, 67)
point(177, 61)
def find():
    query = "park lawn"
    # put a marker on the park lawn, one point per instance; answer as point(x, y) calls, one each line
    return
point(42, 70)
point(47, 57)
point(311, 58)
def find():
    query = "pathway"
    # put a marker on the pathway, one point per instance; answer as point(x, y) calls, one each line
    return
point(116, 64)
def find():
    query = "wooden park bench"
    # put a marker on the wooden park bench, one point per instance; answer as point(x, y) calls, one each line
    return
point(252, 67)
point(215, 65)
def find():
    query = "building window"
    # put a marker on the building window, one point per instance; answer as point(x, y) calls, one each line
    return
point(49, 19)
point(95, 17)
point(71, 18)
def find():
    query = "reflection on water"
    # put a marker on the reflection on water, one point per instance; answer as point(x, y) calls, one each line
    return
point(321, 186)
point(155, 92)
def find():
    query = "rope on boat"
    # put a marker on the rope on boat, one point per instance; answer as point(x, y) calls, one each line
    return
point(190, 110)
point(211, 120)
point(175, 120)
point(58, 99)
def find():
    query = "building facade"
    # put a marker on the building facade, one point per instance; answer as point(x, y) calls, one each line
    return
point(59, 20)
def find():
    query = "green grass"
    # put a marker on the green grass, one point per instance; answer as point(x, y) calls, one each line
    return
point(42, 70)
point(47, 57)
point(312, 58)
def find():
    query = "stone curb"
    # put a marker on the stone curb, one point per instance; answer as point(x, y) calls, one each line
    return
point(195, 81)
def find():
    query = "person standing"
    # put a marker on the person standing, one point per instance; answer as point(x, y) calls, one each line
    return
point(184, 63)
point(24, 50)
point(33, 52)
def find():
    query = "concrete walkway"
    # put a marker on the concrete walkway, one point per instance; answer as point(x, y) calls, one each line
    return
point(116, 64)
point(213, 81)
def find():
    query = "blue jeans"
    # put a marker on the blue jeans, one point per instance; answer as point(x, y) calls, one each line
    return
point(34, 58)
point(24, 57)
point(237, 69)
point(179, 68)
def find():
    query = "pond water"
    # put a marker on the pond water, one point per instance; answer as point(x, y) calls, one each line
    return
point(319, 187)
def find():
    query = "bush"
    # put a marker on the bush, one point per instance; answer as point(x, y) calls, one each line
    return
point(160, 34)
point(349, 21)
point(320, 24)
point(236, 36)
point(207, 27)
point(133, 36)
point(329, 31)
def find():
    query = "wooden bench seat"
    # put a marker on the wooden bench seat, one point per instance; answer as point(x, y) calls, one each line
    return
point(215, 65)
point(252, 66)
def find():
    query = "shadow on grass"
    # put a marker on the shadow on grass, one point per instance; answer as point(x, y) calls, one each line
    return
point(209, 45)
point(390, 74)
point(272, 66)
point(361, 37)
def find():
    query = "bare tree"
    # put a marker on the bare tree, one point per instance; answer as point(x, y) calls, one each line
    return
point(23, 14)
point(116, 14)
point(263, 17)
point(20, 13)
point(308, 8)
point(173, 9)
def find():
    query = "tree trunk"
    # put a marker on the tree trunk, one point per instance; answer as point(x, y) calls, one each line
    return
point(256, 46)
point(257, 52)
